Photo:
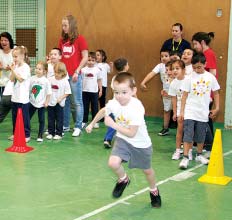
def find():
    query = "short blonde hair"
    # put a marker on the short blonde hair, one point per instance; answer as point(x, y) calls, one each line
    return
point(60, 68)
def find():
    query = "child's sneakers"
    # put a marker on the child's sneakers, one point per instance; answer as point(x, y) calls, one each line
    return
point(107, 144)
point(176, 155)
point(49, 137)
point(57, 137)
point(155, 199)
point(184, 163)
point(163, 132)
point(120, 186)
point(200, 158)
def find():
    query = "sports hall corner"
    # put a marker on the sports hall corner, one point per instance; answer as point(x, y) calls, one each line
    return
point(69, 179)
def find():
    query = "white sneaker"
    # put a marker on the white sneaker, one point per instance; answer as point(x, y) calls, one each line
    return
point(202, 159)
point(184, 163)
point(76, 132)
point(11, 138)
point(190, 154)
point(96, 125)
point(39, 140)
point(46, 132)
point(83, 124)
point(66, 129)
point(57, 137)
point(176, 155)
point(27, 139)
point(207, 154)
point(49, 137)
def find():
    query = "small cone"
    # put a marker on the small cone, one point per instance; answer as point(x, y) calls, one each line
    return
point(215, 171)
point(19, 143)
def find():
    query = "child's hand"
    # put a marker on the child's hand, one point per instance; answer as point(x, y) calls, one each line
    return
point(89, 128)
point(164, 93)
point(174, 117)
point(74, 77)
point(99, 94)
point(12, 66)
point(109, 121)
point(213, 113)
point(59, 100)
point(8, 67)
point(181, 116)
point(46, 104)
point(143, 87)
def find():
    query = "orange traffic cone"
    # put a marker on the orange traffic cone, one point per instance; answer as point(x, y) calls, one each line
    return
point(19, 143)
point(215, 171)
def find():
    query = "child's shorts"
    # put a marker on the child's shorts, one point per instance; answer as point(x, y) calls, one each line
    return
point(195, 131)
point(137, 157)
point(167, 104)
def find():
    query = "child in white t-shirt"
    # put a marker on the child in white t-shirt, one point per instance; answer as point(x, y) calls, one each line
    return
point(40, 92)
point(195, 108)
point(187, 58)
point(105, 70)
point(20, 75)
point(158, 69)
point(54, 57)
point(60, 90)
point(92, 87)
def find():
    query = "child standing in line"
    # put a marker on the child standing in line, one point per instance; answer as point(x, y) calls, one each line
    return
point(121, 65)
point(54, 57)
point(105, 70)
point(187, 58)
point(178, 68)
point(195, 108)
point(92, 88)
point(132, 143)
point(159, 69)
point(40, 92)
point(20, 75)
point(60, 90)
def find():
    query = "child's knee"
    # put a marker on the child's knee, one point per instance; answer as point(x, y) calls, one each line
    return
point(148, 172)
point(114, 162)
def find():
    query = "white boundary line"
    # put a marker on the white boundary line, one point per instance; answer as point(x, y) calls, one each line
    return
point(120, 201)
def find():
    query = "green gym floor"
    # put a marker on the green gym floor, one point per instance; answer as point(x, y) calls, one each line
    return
point(70, 180)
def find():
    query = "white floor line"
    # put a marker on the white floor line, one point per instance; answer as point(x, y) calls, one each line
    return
point(120, 201)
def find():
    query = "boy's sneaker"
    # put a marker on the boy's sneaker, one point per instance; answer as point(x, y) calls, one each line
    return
point(96, 125)
point(11, 138)
point(40, 138)
point(27, 139)
point(66, 129)
point(184, 163)
point(176, 155)
point(155, 199)
point(200, 158)
point(49, 137)
point(190, 154)
point(163, 132)
point(119, 187)
point(57, 137)
point(76, 132)
point(107, 144)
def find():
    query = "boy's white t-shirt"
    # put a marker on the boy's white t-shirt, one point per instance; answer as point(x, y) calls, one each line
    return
point(160, 69)
point(199, 87)
point(105, 70)
point(131, 114)
point(6, 59)
point(21, 89)
point(40, 87)
point(59, 88)
point(90, 77)
point(50, 72)
point(175, 90)
point(188, 69)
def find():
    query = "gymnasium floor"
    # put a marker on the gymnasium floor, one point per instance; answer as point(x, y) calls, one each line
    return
point(70, 180)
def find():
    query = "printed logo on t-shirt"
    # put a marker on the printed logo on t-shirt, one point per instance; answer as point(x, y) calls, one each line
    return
point(56, 87)
point(201, 87)
point(89, 75)
point(36, 90)
point(68, 50)
point(120, 120)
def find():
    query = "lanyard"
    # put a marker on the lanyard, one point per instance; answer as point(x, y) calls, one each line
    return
point(173, 46)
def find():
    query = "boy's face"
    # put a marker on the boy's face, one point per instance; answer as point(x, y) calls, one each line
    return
point(164, 57)
point(123, 92)
point(187, 56)
point(55, 56)
point(91, 62)
point(177, 71)
point(197, 46)
point(169, 71)
point(199, 68)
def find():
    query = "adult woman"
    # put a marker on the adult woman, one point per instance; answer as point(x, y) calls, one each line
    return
point(6, 59)
point(176, 43)
point(75, 55)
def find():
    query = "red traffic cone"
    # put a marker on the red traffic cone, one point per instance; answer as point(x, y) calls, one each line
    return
point(19, 143)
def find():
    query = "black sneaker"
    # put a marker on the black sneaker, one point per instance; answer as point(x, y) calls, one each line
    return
point(163, 132)
point(155, 200)
point(107, 144)
point(119, 187)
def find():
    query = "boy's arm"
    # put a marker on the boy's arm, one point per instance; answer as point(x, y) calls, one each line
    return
point(183, 102)
point(98, 117)
point(129, 132)
point(214, 112)
point(62, 97)
point(47, 101)
point(147, 78)
point(174, 107)
point(99, 82)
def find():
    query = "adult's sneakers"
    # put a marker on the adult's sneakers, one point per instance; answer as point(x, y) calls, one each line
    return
point(163, 132)
point(155, 199)
point(119, 187)
point(184, 163)
point(200, 158)
point(76, 132)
